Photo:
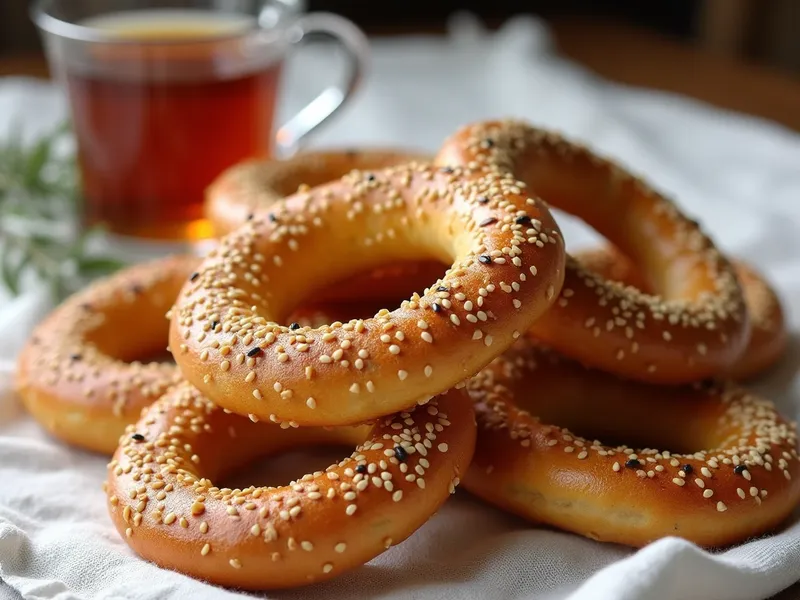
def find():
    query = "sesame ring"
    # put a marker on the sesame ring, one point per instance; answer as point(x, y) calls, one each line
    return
point(254, 186)
point(507, 256)
point(732, 471)
point(79, 374)
point(769, 335)
point(164, 503)
point(696, 328)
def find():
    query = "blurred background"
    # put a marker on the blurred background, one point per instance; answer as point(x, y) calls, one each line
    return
point(765, 31)
point(742, 55)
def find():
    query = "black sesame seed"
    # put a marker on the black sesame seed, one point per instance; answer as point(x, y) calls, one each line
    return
point(487, 221)
point(488, 142)
point(436, 307)
point(483, 200)
point(739, 469)
point(687, 469)
point(400, 453)
point(485, 259)
point(370, 177)
point(294, 326)
point(194, 276)
point(446, 169)
point(272, 218)
point(254, 351)
point(250, 216)
point(522, 220)
point(214, 325)
point(361, 469)
point(75, 356)
point(442, 288)
point(633, 463)
point(137, 437)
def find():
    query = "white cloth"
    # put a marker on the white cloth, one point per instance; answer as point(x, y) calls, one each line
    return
point(741, 176)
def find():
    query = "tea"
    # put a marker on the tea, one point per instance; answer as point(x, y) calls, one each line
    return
point(157, 120)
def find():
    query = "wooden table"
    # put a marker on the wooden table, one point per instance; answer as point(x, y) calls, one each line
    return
point(639, 57)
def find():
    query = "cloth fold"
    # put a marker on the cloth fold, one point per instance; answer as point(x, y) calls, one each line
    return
point(740, 176)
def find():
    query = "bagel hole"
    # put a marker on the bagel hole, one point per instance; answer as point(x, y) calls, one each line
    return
point(280, 468)
point(134, 333)
point(142, 353)
point(362, 295)
point(162, 355)
point(636, 430)
point(629, 414)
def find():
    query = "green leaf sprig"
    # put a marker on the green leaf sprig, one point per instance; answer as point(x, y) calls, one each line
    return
point(40, 225)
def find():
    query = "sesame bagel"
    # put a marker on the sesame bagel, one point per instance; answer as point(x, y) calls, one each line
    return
point(769, 335)
point(254, 186)
point(696, 326)
point(507, 259)
point(80, 374)
point(727, 470)
point(164, 501)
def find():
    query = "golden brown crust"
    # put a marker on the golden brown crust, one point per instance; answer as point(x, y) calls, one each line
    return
point(163, 500)
point(697, 326)
point(79, 374)
point(769, 335)
point(255, 185)
point(733, 472)
point(507, 256)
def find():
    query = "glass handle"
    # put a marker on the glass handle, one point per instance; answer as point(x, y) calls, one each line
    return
point(315, 26)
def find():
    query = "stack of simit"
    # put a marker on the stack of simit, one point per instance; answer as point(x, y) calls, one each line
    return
point(591, 392)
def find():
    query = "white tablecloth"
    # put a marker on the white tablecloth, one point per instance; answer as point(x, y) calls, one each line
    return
point(740, 176)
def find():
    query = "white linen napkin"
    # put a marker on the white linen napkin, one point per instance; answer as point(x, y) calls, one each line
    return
point(740, 176)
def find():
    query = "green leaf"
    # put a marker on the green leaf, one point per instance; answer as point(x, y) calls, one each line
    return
point(35, 162)
point(95, 265)
point(39, 200)
point(11, 271)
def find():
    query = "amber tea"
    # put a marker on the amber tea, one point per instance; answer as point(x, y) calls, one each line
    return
point(155, 127)
point(164, 99)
